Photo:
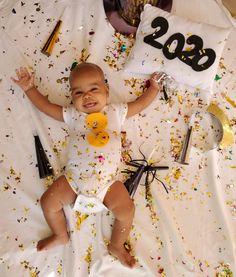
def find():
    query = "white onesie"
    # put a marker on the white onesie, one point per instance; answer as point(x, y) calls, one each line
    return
point(91, 170)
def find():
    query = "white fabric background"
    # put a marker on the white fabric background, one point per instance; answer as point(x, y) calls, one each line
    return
point(190, 231)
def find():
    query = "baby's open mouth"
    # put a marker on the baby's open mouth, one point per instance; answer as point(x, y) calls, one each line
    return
point(89, 105)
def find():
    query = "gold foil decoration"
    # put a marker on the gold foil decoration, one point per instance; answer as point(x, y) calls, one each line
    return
point(228, 134)
point(130, 10)
point(50, 43)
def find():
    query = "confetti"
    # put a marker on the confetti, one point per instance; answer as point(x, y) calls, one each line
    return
point(217, 77)
point(88, 257)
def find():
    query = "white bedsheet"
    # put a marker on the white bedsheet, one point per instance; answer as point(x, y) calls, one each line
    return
point(188, 232)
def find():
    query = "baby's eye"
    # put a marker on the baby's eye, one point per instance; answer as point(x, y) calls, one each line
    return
point(93, 89)
point(77, 92)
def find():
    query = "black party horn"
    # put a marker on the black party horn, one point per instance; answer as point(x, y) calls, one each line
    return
point(44, 166)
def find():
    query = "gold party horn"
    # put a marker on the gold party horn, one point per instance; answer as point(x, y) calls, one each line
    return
point(49, 45)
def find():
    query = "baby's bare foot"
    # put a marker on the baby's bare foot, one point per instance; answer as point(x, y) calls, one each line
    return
point(51, 242)
point(122, 255)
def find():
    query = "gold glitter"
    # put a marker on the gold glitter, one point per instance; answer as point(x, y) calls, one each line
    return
point(176, 173)
point(84, 55)
point(223, 270)
point(62, 80)
point(231, 101)
point(176, 146)
point(21, 246)
point(33, 271)
point(180, 99)
point(13, 173)
point(48, 181)
point(6, 187)
point(137, 86)
point(79, 219)
point(88, 257)
point(209, 194)
point(59, 268)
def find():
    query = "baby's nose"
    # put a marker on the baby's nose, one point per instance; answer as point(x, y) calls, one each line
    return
point(86, 95)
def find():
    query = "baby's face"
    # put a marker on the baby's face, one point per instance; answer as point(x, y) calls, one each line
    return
point(89, 91)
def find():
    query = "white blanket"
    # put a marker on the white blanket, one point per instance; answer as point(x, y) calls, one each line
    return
point(188, 232)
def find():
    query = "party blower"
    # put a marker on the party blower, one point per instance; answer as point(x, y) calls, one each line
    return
point(143, 166)
point(44, 166)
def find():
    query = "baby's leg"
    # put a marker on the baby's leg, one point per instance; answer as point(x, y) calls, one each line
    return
point(52, 201)
point(117, 200)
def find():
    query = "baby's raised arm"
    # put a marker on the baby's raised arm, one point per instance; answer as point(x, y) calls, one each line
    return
point(26, 82)
point(147, 97)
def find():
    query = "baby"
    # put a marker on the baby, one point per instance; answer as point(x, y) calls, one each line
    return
point(94, 155)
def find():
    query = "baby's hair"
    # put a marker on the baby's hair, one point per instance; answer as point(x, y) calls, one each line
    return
point(84, 66)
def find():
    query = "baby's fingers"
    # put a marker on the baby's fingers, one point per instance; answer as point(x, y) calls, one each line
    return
point(18, 74)
point(158, 77)
point(15, 80)
point(24, 72)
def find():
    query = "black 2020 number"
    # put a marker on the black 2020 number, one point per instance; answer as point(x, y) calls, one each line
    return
point(197, 57)
point(164, 26)
point(178, 47)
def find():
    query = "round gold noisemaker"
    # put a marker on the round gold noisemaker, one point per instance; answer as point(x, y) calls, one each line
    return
point(228, 134)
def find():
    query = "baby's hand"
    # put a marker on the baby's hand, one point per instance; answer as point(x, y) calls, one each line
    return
point(157, 79)
point(25, 79)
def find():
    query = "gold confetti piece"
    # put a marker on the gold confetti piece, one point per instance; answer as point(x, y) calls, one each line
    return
point(150, 161)
point(231, 101)
point(180, 99)
point(94, 231)
point(6, 187)
point(33, 271)
point(79, 219)
point(62, 80)
point(84, 55)
point(209, 194)
point(176, 147)
point(221, 65)
point(167, 179)
point(188, 48)
point(59, 268)
point(88, 257)
point(177, 173)
point(21, 247)
point(48, 181)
